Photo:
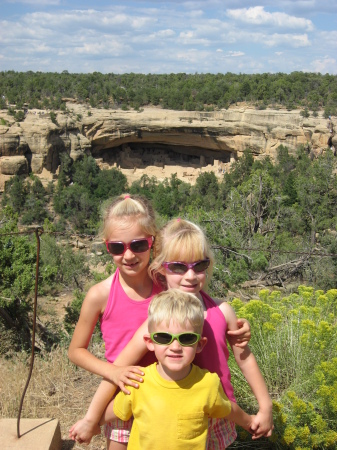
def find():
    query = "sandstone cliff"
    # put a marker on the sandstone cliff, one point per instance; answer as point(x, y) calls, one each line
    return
point(153, 141)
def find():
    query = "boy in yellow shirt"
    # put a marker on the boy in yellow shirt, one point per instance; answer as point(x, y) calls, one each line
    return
point(171, 408)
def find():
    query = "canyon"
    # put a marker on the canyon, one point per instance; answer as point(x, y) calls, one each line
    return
point(153, 141)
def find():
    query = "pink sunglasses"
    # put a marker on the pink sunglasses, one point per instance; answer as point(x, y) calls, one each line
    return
point(136, 246)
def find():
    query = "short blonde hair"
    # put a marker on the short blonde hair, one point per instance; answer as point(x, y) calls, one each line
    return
point(179, 240)
point(125, 210)
point(176, 305)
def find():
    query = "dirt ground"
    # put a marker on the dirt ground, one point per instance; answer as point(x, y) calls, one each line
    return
point(57, 390)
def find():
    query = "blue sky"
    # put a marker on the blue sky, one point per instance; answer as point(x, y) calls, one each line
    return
point(215, 36)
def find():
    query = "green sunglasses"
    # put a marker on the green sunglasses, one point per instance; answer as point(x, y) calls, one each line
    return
point(184, 339)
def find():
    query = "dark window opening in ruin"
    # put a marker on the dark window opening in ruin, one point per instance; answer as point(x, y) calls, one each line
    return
point(142, 155)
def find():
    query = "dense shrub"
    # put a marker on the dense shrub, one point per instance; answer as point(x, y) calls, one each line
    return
point(294, 339)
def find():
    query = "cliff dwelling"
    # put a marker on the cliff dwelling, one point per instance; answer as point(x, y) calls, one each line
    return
point(141, 155)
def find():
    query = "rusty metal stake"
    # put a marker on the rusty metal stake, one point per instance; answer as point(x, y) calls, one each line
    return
point(37, 231)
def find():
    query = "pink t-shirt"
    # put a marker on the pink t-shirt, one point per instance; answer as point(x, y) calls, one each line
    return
point(122, 318)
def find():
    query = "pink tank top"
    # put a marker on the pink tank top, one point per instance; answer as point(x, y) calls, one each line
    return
point(122, 318)
point(215, 355)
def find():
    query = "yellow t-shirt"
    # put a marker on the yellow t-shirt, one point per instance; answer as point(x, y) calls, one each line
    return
point(172, 415)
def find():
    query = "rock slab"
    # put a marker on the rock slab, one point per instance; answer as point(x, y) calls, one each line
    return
point(36, 434)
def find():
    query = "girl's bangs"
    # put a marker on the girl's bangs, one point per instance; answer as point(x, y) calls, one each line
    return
point(186, 250)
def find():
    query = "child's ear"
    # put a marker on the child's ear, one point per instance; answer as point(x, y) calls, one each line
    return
point(148, 342)
point(201, 344)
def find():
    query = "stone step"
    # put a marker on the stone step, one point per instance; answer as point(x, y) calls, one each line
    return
point(36, 434)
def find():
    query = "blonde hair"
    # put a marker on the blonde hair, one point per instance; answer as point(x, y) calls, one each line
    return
point(179, 240)
point(176, 305)
point(127, 209)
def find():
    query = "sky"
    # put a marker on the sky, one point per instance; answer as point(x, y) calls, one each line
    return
point(172, 36)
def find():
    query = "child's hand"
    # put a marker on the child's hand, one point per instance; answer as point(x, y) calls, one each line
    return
point(247, 422)
point(240, 337)
point(83, 431)
point(262, 425)
point(126, 376)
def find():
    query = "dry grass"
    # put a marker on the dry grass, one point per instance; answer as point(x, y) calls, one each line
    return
point(57, 389)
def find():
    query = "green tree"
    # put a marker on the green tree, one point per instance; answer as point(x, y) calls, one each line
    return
point(15, 193)
point(206, 190)
point(316, 186)
point(17, 280)
point(35, 203)
point(170, 197)
point(85, 172)
point(240, 170)
point(145, 186)
point(66, 171)
point(110, 183)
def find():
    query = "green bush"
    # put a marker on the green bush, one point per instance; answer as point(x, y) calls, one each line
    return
point(305, 113)
point(19, 116)
point(53, 117)
point(17, 281)
point(294, 339)
point(73, 313)
point(61, 265)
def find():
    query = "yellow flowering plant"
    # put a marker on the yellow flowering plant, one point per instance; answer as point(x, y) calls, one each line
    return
point(294, 339)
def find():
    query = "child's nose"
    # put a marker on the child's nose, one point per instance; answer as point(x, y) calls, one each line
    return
point(128, 254)
point(190, 274)
point(175, 344)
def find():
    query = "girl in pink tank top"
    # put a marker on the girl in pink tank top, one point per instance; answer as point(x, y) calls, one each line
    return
point(120, 302)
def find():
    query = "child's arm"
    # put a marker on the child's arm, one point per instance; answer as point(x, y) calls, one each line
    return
point(93, 306)
point(84, 429)
point(131, 354)
point(240, 417)
point(262, 424)
point(241, 335)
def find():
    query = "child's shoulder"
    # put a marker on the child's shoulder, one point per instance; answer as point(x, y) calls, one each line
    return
point(222, 304)
point(209, 378)
point(100, 291)
point(226, 310)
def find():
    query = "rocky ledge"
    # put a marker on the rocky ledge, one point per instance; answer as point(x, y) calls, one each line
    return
point(153, 141)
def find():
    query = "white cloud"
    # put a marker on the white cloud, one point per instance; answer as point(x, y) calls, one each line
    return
point(166, 33)
point(196, 14)
point(235, 54)
point(88, 19)
point(325, 65)
point(289, 40)
point(163, 34)
point(106, 48)
point(36, 2)
point(191, 38)
point(258, 16)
